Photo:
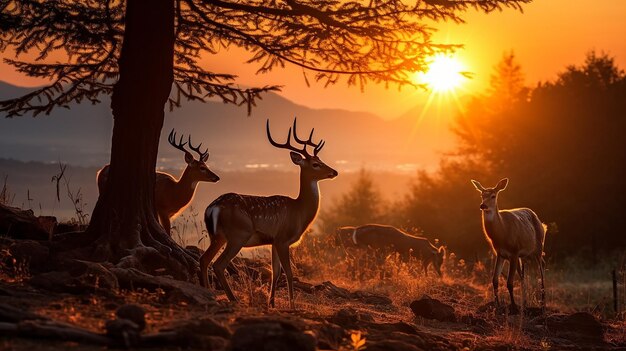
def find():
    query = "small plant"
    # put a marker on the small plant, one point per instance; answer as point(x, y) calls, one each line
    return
point(82, 217)
point(356, 343)
point(6, 198)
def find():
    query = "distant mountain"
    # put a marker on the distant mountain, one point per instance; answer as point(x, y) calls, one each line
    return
point(81, 135)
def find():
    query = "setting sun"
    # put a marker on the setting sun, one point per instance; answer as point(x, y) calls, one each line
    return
point(445, 73)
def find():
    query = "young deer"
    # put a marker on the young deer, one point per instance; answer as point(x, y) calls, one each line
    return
point(385, 237)
point(515, 235)
point(171, 195)
point(239, 221)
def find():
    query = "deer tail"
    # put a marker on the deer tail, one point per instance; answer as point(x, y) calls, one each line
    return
point(210, 219)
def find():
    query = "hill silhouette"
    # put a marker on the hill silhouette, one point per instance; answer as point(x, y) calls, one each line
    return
point(81, 135)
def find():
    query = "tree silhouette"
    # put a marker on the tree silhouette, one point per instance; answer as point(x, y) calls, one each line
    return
point(561, 145)
point(361, 204)
point(137, 51)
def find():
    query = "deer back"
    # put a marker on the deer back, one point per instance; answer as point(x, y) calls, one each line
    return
point(520, 232)
point(270, 217)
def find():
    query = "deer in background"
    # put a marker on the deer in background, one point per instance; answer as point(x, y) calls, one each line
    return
point(171, 195)
point(239, 221)
point(385, 237)
point(515, 235)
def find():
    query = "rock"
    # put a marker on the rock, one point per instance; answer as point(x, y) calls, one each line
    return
point(204, 333)
point(349, 318)
point(21, 224)
point(433, 309)
point(421, 340)
point(58, 282)
point(330, 336)
point(31, 253)
point(175, 290)
point(62, 228)
point(92, 274)
point(479, 325)
point(203, 326)
point(395, 345)
point(332, 291)
point(78, 277)
point(12, 314)
point(274, 335)
point(401, 327)
point(580, 326)
point(371, 298)
point(134, 313)
point(124, 331)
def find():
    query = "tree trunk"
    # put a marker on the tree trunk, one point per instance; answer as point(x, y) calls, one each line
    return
point(124, 222)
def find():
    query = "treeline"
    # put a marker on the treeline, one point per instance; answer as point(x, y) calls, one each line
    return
point(561, 144)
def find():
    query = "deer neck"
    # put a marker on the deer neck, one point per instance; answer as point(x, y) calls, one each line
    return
point(309, 196)
point(186, 184)
point(492, 222)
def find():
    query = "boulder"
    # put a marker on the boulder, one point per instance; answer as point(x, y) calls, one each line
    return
point(580, 326)
point(134, 313)
point(371, 298)
point(350, 318)
point(176, 291)
point(204, 333)
point(22, 224)
point(77, 277)
point(429, 308)
point(395, 345)
point(271, 334)
point(31, 253)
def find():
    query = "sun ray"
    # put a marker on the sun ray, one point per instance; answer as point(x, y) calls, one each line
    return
point(445, 74)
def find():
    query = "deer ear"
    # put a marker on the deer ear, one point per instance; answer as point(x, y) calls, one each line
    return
point(188, 158)
point(204, 158)
point(296, 158)
point(477, 185)
point(502, 184)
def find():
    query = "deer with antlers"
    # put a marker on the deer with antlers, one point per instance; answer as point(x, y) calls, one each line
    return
point(516, 235)
point(171, 195)
point(239, 221)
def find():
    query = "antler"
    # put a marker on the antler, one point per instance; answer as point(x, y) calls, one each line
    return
point(203, 155)
point(316, 147)
point(180, 145)
point(287, 145)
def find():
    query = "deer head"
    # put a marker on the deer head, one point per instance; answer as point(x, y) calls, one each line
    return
point(197, 170)
point(310, 165)
point(490, 195)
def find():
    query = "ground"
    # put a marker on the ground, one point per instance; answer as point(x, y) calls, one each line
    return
point(333, 311)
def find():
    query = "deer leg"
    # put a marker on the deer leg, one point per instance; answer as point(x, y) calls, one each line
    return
point(496, 276)
point(276, 271)
point(283, 255)
point(513, 263)
point(205, 260)
point(231, 250)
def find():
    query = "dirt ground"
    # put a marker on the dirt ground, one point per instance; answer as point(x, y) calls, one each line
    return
point(326, 317)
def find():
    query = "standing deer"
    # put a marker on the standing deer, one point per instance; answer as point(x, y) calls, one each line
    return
point(385, 237)
point(239, 221)
point(515, 235)
point(171, 195)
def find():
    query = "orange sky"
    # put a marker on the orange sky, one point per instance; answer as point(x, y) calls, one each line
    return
point(549, 35)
